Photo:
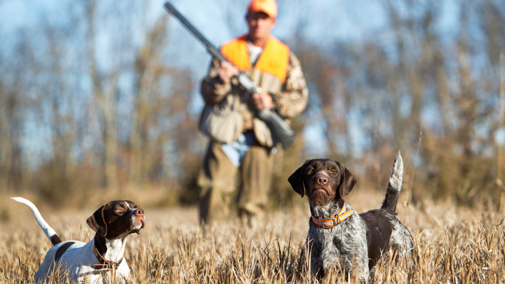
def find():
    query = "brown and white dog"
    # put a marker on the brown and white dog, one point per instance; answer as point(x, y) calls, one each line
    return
point(340, 237)
point(92, 262)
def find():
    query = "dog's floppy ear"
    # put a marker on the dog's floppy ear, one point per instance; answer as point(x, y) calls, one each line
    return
point(348, 181)
point(96, 221)
point(296, 180)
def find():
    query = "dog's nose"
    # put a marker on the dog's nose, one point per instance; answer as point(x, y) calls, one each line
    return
point(322, 180)
point(139, 212)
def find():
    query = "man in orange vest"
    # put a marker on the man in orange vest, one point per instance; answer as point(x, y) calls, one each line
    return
point(274, 68)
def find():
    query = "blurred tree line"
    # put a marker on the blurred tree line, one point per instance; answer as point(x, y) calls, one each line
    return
point(91, 102)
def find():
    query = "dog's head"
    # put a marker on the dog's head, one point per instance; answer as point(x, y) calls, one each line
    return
point(323, 180)
point(117, 218)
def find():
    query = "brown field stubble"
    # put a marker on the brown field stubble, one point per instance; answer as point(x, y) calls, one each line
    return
point(452, 245)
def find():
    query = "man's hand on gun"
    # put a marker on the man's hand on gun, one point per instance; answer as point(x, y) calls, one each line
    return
point(262, 100)
point(227, 71)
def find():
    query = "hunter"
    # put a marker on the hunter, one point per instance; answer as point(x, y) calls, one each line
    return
point(249, 157)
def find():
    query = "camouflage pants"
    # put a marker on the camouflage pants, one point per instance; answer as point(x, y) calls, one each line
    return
point(219, 179)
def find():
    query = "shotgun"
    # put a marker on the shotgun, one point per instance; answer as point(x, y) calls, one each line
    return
point(280, 129)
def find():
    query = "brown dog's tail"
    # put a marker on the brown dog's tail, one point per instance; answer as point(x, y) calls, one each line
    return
point(394, 185)
point(50, 233)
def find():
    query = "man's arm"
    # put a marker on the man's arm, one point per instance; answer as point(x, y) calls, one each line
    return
point(217, 84)
point(292, 99)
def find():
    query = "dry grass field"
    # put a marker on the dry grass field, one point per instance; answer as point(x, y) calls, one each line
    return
point(452, 245)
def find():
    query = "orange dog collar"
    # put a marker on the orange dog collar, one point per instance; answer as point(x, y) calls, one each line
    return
point(337, 219)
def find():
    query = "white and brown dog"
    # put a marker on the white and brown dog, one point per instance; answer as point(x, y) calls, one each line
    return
point(92, 262)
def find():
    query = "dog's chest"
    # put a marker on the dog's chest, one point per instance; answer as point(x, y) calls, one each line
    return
point(340, 245)
point(78, 263)
point(332, 242)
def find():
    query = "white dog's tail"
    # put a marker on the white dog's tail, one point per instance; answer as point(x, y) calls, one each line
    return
point(394, 185)
point(50, 233)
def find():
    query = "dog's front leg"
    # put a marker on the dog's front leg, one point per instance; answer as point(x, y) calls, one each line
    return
point(363, 273)
point(361, 270)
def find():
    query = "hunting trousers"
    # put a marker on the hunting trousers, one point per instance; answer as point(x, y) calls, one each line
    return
point(219, 178)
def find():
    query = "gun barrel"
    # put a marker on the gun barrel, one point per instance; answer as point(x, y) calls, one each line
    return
point(210, 47)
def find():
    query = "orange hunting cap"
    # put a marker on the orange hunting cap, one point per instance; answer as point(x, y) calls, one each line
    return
point(268, 7)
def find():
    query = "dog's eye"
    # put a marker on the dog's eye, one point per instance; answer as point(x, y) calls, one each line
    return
point(310, 170)
point(333, 170)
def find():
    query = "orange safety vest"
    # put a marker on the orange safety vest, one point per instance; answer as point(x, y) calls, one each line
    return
point(273, 60)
